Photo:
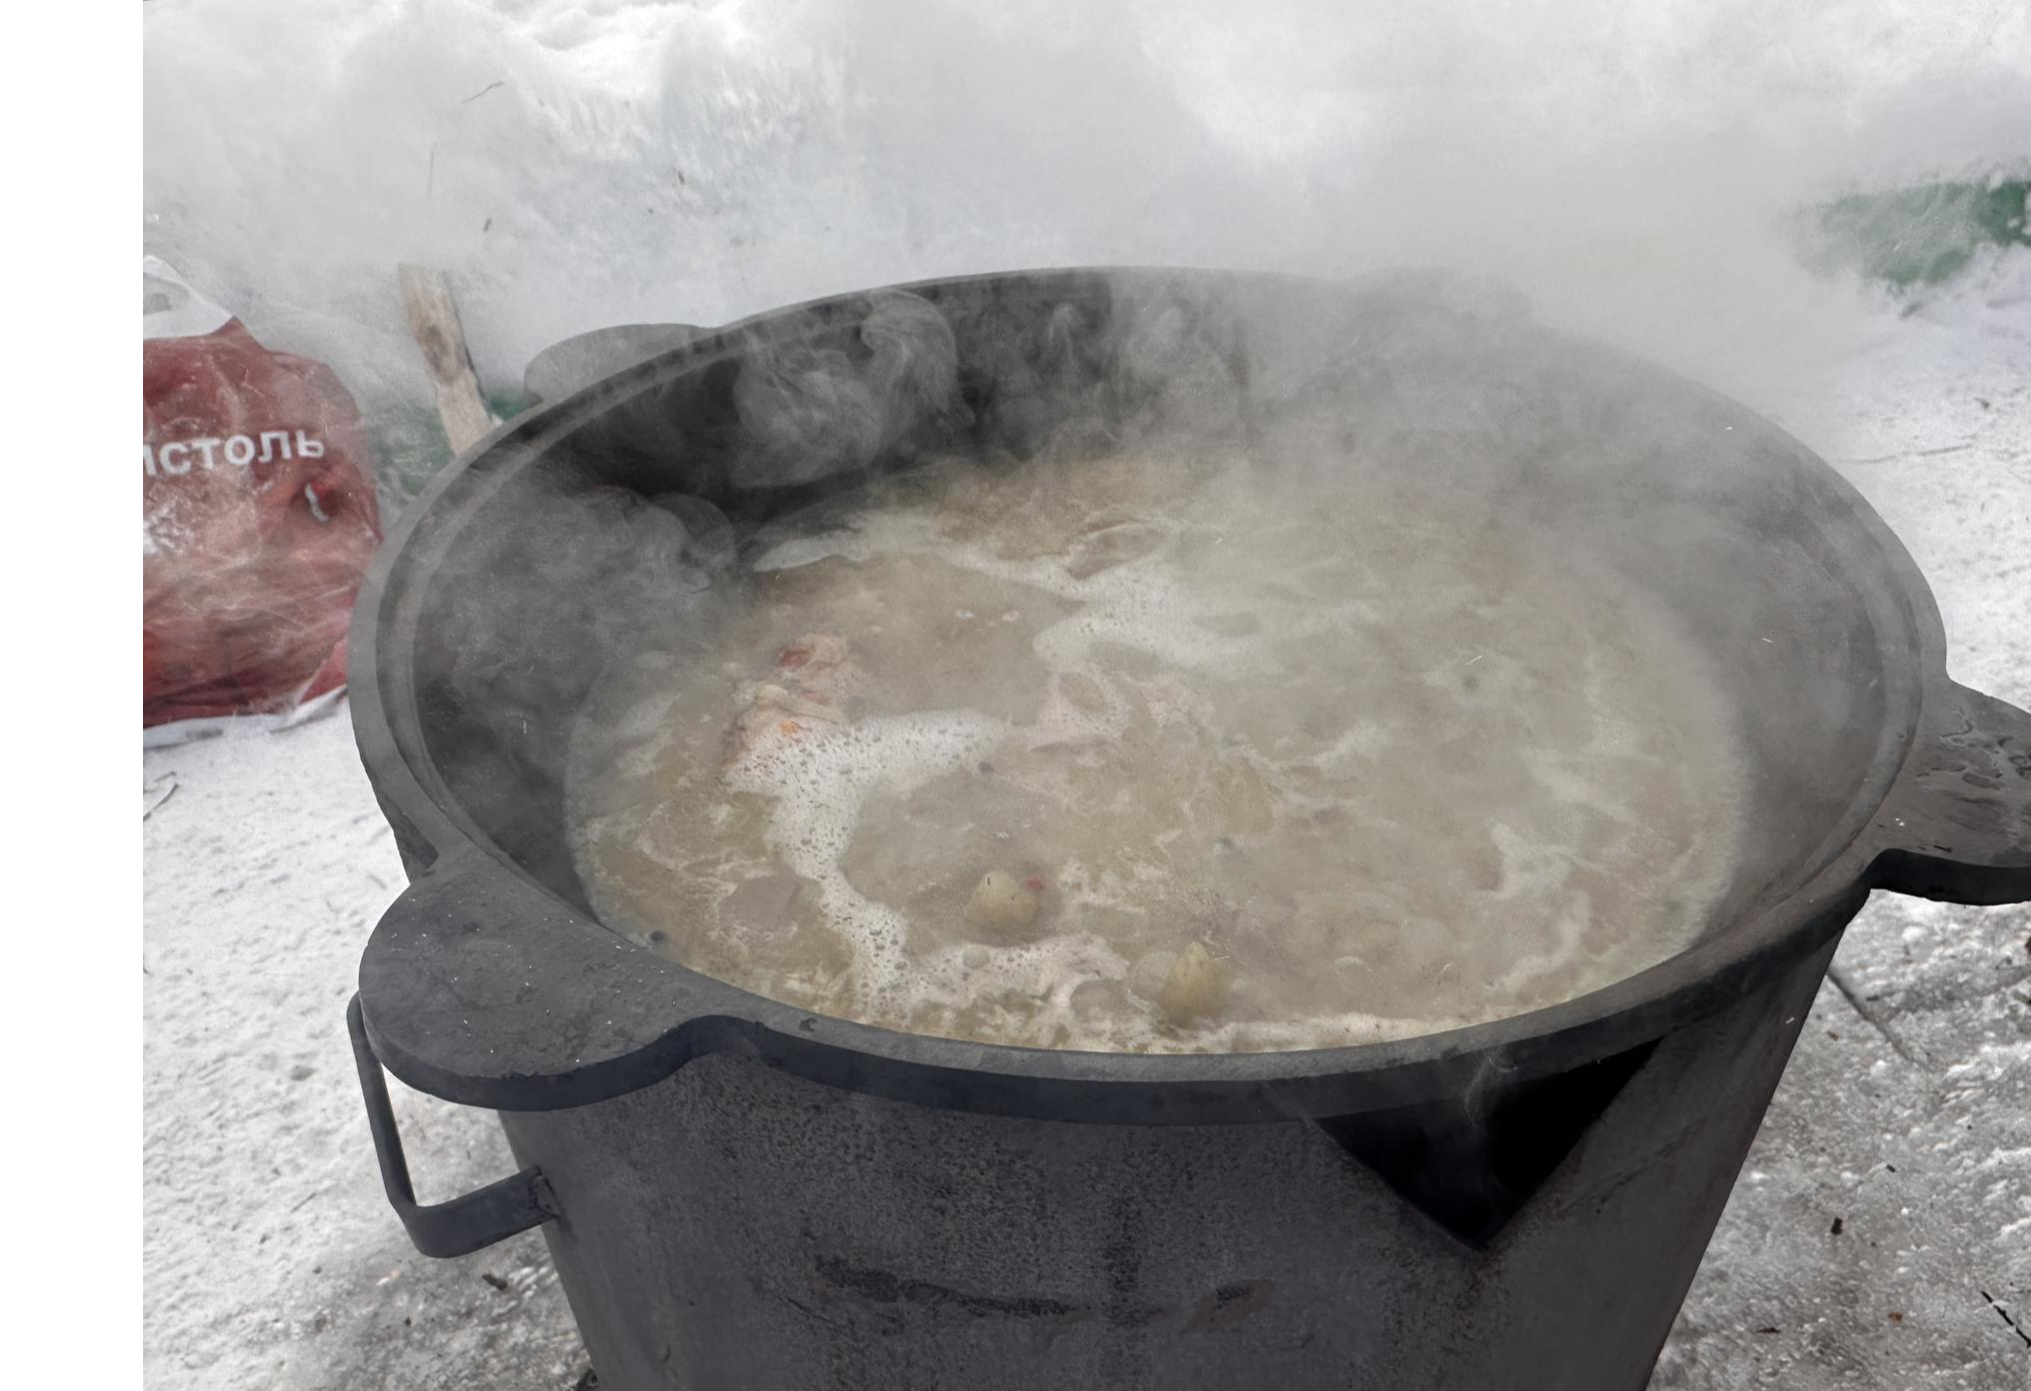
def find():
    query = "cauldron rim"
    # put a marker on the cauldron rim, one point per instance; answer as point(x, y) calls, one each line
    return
point(448, 982)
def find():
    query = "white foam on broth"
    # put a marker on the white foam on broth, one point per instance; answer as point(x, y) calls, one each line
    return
point(1377, 766)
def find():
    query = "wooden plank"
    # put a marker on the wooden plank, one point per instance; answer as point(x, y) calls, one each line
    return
point(433, 319)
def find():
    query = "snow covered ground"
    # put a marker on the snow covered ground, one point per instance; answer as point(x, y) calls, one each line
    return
point(272, 1260)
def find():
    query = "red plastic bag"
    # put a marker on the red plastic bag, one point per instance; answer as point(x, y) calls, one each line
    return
point(258, 517)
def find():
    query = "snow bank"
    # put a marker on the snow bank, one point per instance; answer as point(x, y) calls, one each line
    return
point(582, 162)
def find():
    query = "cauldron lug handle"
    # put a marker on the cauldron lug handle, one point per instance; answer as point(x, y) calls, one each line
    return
point(465, 1224)
point(1957, 826)
point(579, 361)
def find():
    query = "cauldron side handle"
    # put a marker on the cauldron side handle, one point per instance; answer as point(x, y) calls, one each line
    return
point(575, 363)
point(465, 1224)
point(480, 988)
point(1957, 825)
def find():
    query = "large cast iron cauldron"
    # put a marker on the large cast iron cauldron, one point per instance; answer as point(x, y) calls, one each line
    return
point(741, 1195)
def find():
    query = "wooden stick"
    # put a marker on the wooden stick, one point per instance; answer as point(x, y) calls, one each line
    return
point(433, 318)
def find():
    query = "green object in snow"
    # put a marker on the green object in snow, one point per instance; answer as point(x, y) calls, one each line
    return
point(1912, 237)
point(410, 445)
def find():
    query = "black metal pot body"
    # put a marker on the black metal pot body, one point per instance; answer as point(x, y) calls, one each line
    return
point(742, 1194)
